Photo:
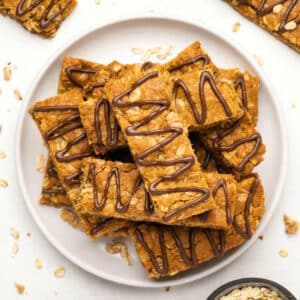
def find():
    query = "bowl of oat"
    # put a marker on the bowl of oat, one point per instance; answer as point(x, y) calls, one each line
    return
point(251, 288)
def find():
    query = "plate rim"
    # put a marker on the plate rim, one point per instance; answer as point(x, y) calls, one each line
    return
point(219, 34)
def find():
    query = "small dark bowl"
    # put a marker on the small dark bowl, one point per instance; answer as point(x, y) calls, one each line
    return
point(260, 282)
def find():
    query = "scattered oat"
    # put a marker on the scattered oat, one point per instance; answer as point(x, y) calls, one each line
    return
point(290, 25)
point(0, 128)
point(137, 50)
point(251, 292)
point(149, 52)
point(0, 91)
point(291, 226)
point(71, 218)
point(119, 247)
point(60, 272)
point(261, 237)
point(41, 163)
point(7, 72)
point(20, 288)
point(28, 234)
point(258, 59)
point(3, 183)
point(2, 155)
point(18, 95)
point(167, 288)
point(277, 8)
point(167, 53)
point(283, 253)
point(293, 105)
point(98, 2)
point(14, 233)
point(38, 264)
point(236, 26)
point(15, 248)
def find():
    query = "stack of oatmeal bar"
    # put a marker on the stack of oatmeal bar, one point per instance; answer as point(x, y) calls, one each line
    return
point(162, 153)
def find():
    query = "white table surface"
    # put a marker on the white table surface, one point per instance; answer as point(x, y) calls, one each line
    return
point(29, 52)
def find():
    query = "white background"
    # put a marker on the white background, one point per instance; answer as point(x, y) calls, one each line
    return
point(29, 53)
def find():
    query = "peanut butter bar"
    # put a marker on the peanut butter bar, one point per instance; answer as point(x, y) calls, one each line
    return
point(203, 100)
point(39, 16)
point(115, 189)
point(143, 105)
point(167, 250)
point(53, 193)
point(59, 123)
point(247, 87)
point(279, 17)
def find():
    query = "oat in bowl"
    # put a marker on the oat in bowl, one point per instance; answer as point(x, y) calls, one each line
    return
point(251, 288)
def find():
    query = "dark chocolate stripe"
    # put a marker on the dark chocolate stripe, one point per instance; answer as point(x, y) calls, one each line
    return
point(203, 58)
point(218, 250)
point(247, 233)
point(100, 226)
point(21, 11)
point(71, 70)
point(240, 83)
point(58, 191)
point(205, 77)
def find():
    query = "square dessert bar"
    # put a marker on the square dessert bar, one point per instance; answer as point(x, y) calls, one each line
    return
point(40, 16)
point(115, 189)
point(203, 100)
point(279, 17)
point(53, 192)
point(59, 123)
point(143, 105)
point(166, 251)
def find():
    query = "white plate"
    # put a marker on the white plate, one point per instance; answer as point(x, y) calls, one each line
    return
point(114, 40)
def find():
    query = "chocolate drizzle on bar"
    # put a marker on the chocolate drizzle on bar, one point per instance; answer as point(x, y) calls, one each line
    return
point(240, 83)
point(218, 250)
point(100, 226)
point(51, 171)
point(45, 20)
point(221, 184)
point(256, 137)
point(247, 233)
point(262, 11)
point(112, 132)
point(205, 77)
point(63, 127)
point(163, 270)
point(140, 159)
point(202, 58)
point(119, 207)
point(71, 70)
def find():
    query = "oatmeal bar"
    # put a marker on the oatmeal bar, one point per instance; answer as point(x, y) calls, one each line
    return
point(115, 189)
point(143, 105)
point(59, 123)
point(39, 16)
point(239, 147)
point(280, 17)
point(52, 191)
point(247, 87)
point(167, 250)
point(203, 100)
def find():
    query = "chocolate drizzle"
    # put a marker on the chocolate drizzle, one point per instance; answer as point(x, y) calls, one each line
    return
point(203, 58)
point(119, 206)
point(112, 133)
point(247, 233)
point(256, 137)
point(100, 226)
point(45, 20)
point(165, 265)
point(240, 83)
point(61, 155)
point(140, 159)
point(51, 171)
point(58, 191)
point(218, 251)
point(189, 261)
point(221, 184)
point(73, 178)
point(205, 76)
point(71, 70)
point(146, 66)
point(54, 108)
point(262, 11)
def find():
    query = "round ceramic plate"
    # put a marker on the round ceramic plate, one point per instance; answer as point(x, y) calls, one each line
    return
point(114, 40)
